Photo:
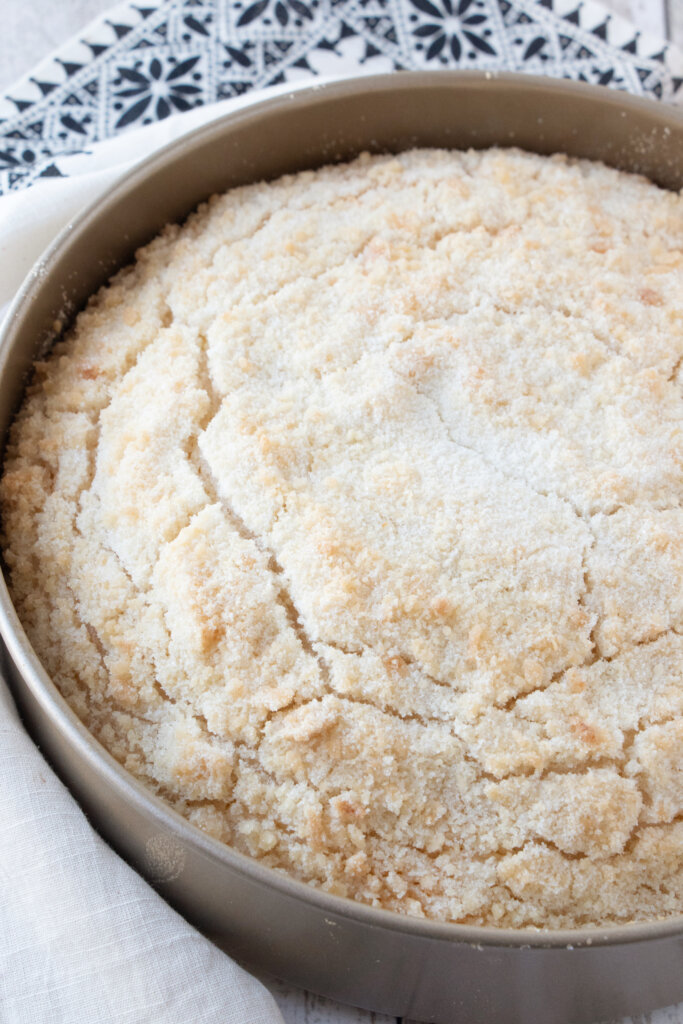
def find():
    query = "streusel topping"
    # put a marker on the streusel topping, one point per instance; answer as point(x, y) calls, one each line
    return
point(348, 519)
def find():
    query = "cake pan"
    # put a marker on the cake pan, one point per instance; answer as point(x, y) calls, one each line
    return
point(376, 959)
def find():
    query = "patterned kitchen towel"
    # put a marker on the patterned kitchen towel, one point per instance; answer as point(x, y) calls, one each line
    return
point(145, 61)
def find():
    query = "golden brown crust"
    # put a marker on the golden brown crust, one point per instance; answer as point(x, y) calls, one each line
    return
point(349, 520)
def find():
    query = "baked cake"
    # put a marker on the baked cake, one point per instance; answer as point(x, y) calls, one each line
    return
point(348, 519)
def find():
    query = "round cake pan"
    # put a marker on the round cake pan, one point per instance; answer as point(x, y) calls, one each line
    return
point(376, 959)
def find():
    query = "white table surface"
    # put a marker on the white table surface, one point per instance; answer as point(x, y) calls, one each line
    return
point(31, 30)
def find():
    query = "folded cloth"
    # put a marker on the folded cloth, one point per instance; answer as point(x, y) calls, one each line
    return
point(83, 939)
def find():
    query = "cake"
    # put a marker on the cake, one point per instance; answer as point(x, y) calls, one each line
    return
point(348, 520)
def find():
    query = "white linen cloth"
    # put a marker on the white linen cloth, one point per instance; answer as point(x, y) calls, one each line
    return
point(83, 939)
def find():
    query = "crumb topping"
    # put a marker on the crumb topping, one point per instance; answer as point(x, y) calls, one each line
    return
point(348, 519)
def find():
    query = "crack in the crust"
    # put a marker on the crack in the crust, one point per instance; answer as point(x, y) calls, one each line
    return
point(397, 656)
point(282, 290)
point(283, 597)
point(431, 243)
point(548, 844)
point(501, 852)
point(166, 696)
point(292, 705)
point(96, 640)
point(602, 337)
point(511, 703)
point(254, 231)
point(642, 727)
point(245, 754)
point(585, 518)
point(607, 659)
point(631, 767)
point(96, 421)
point(596, 663)
point(166, 317)
point(390, 712)
point(294, 620)
point(485, 301)
point(196, 716)
point(220, 247)
point(629, 737)
point(674, 373)
point(637, 835)
point(212, 802)
point(592, 656)
point(93, 637)
point(206, 383)
point(486, 462)
point(577, 771)
point(100, 648)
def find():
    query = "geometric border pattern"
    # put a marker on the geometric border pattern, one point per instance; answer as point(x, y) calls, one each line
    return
point(144, 61)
